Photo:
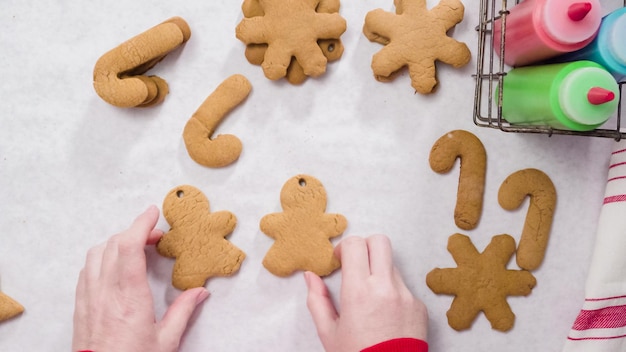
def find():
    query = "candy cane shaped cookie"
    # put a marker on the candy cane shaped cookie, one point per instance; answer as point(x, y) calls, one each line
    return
point(226, 148)
point(538, 186)
point(473, 163)
point(118, 74)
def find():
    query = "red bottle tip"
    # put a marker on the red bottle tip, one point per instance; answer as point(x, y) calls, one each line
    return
point(599, 95)
point(577, 11)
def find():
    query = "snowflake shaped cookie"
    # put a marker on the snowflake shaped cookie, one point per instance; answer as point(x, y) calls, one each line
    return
point(416, 37)
point(291, 29)
point(481, 282)
point(331, 48)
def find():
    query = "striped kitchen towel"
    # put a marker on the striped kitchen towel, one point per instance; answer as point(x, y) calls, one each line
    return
point(601, 324)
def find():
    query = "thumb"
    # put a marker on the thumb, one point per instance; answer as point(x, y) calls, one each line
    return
point(321, 306)
point(177, 316)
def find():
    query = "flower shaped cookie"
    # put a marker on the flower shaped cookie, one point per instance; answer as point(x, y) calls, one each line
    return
point(255, 53)
point(291, 29)
point(481, 282)
point(416, 37)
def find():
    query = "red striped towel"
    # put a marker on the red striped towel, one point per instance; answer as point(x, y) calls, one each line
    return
point(601, 324)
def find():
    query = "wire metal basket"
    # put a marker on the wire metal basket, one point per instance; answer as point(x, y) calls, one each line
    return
point(490, 72)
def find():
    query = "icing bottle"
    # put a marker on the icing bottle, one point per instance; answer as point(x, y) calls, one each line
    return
point(537, 30)
point(578, 96)
point(608, 48)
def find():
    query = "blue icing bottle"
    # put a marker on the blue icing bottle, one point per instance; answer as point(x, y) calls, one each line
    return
point(608, 48)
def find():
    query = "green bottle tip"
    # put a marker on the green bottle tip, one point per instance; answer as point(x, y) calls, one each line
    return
point(599, 95)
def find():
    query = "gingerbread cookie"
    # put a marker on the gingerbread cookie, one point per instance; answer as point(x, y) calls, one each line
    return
point(537, 185)
point(290, 29)
point(331, 48)
point(118, 75)
point(481, 282)
point(226, 148)
point(9, 307)
point(473, 164)
point(302, 232)
point(416, 37)
point(197, 239)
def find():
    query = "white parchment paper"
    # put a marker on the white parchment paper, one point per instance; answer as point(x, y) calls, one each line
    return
point(75, 170)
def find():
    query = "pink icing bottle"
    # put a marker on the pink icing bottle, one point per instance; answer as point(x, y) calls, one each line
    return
point(537, 30)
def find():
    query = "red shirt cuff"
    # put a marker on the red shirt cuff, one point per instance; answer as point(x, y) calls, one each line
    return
point(404, 344)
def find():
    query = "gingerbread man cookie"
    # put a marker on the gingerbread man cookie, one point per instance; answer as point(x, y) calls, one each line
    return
point(197, 239)
point(481, 282)
point(9, 307)
point(291, 29)
point(331, 48)
point(416, 37)
point(302, 232)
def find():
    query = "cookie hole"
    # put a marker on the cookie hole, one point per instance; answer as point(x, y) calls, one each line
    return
point(331, 48)
point(302, 182)
point(180, 194)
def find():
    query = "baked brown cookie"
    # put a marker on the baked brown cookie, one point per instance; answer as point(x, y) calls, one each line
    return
point(331, 48)
point(416, 37)
point(473, 167)
point(197, 239)
point(481, 282)
point(290, 29)
point(9, 307)
point(302, 232)
point(225, 148)
point(118, 76)
point(537, 185)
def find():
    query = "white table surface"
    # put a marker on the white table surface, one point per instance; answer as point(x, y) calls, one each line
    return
point(75, 170)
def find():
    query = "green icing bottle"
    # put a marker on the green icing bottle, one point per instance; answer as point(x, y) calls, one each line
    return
point(578, 96)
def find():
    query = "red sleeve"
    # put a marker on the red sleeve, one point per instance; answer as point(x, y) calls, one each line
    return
point(404, 344)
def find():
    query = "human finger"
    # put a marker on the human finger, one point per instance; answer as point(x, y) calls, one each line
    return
point(109, 269)
point(93, 265)
point(154, 237)
point(80, 295)
point(176, 318)
point(81, 308)
point(354, 257)
point(320, 306)
point(87, 285)
point(132, 242)
point(138, 234)
point(380, 256)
